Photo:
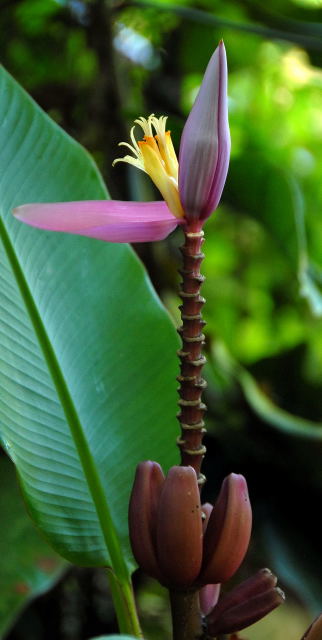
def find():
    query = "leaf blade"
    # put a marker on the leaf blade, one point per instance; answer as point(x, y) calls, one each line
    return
point(81, 317)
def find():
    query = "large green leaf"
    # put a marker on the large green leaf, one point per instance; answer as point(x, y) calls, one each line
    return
point(28, 565)
point(87, 362)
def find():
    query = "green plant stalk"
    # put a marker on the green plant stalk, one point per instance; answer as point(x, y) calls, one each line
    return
point(124, 604)
point(127, 619)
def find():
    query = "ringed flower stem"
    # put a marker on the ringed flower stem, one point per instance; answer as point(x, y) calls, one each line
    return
point(186, 617)
point(191, 358)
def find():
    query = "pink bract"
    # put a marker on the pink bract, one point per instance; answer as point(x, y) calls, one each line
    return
point(109, 220)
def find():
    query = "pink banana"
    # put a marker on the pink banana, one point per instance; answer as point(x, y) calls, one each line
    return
point(228, 531)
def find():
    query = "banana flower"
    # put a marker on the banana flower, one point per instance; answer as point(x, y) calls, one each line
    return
point(189, 546)
point(191, 188)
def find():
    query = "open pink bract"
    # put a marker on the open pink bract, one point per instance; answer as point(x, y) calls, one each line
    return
point(109, 220)
point(203, 165)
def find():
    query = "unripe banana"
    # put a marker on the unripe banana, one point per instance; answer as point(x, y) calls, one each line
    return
point(260, 582)
point(228, 531)
point(245, 613)
point(179, 528)
point(143, 506)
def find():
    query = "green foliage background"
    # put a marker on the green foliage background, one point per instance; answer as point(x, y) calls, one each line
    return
point(94, 67)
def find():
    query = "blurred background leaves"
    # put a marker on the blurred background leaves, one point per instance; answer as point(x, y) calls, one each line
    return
point(96, 65)
point(28, 565)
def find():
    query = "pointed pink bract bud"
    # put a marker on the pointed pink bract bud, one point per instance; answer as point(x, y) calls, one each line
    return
point(205, 143)
point(228, 531)
point(179, 528)
point(143, 505)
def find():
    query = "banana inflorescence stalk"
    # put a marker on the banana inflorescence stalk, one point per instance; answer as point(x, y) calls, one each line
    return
point(191, 357)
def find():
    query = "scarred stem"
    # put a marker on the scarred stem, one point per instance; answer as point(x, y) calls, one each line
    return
point(186, 618)
point(192, 360)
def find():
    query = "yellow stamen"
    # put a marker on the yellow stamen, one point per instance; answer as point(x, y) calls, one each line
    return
point(156, 156)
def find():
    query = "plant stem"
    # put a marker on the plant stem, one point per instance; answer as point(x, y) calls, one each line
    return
point(191, 383)
point(186, 618)
point(124, 604)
